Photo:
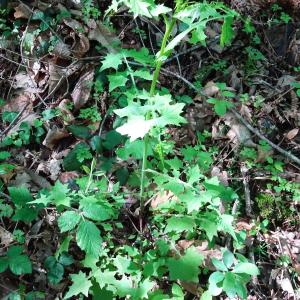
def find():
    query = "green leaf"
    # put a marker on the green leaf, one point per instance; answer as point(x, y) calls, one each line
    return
point(228, 258)
point(193, 174)
point(186, 267)
point(4, 155)
point(68, 220)
point(19, 195)
point(219, 265)
point(206, 296)
point(144, 74)
point(216, 277)
point(25, 214)
point(81, 132)
point(179, 224)
point(246, 268)
point(210, 227)
point(59, 194)
point(96, 212)
point(20, 265)
point(111, 60)
point(81, 285)
point(139, 7)
point(229, 285)
point(55, 271)
point(88, 238)
point(116, 80)
point(227, 31)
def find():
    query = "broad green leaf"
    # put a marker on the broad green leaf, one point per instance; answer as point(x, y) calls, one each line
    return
point(143, 289)
point(216, 277)
point(219, 265)
point(20, 195)
point(20, 264)
point(139, 7)
point(193, 174)
point(88, 238)
point(247, 268)
point(210, 228)
point(227, 31)
point(116, 80)
point(229, 285)
point(68, 220)
point(55, 271)
point(112, 60)
point(26, 214)
point(228, 258)
point(206, 296)
point(179, 224)
point(4, 155)
point(81, 285)
point(96, 212)
point(81, 132)
point(186, 267)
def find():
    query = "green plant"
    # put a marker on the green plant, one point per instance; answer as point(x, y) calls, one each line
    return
point(90, 113)
point(231, 277)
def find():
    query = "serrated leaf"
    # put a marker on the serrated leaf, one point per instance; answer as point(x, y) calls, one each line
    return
point(59, 194)
point(246, 268)
point(68, 220)
point(112, 60)
point(116, 80)
point(179, 224)
point(229, 285)
point(96, 212)
point(88, 238)
point(186, 267)
point(19, 195)
point(20, 265)
point(144, 74)
point(81, 285)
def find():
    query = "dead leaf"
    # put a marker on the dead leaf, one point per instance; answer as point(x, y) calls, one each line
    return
point(101, 34)
point(19, 100)
point(292, 133)
point(82, 89)
point(22, 12)
point(222, 175)
point(22, 179)
point(161, 198)
point(238, 133)
point(81, 45)
point(6, 237)
point(61, 49)
point(210, 89)
point(65, 111)
point(38, 179)
point(56, 75)
point(65, 177)
point(26, 83)
point(54, 135)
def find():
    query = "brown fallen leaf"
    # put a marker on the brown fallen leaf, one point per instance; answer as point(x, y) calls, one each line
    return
point(210, 89)
point(54, 135)
point(6, 238)
point(101, 34)
point(56, 77)
point(82, 89)
point(161, 198)
point(22, 11)
point(80, 46)
point(292, 133)
point(65, 177)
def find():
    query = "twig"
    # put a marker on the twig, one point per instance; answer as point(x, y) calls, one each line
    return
point(256, 132)
point(248, 206)
point(7, 129)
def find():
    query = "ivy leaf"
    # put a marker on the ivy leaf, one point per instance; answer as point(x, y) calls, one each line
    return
point(179, 224)
point(88, 238)
point(186, 267)
point(112, 60)
point(68, 220)
point(227, 31)
point(116, 80)
point(247, 268)
point(81, 285)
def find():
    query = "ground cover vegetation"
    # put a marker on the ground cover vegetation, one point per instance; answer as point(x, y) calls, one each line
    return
point(149, 150)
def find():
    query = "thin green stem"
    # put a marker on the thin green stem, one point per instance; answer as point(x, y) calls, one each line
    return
point(159, 62)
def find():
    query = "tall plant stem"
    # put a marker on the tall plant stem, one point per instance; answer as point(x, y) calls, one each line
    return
point(169, 27)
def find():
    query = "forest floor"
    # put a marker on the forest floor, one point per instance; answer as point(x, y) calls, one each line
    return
point(63, 93)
